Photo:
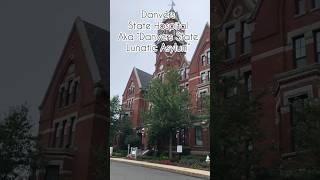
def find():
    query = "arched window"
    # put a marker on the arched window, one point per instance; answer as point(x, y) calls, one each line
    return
point(69, 87)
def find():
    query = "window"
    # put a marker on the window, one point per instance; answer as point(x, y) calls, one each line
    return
point(230, 88)
point(61, 97)
point(52, 172)
point(208, 56)
point(248, 81)
point(317, 45)
point(71, 69)
point(70, 133)
point(299, 5)
point(202, 96)
point(208, 75)
point(315, 3)
point(182, 74)
point(231, 43)
point(187, 72)
point(62, 133)
point(246, 38)
point(68, 93)
point(203, 77)
point(203, 60)
point(231, 91)
point(130, 101)
point(296, 105)
point(198, 134)
point(75, 91)
point(161, 76)
point(131, 88)
point(55, 134)
point(299, 51)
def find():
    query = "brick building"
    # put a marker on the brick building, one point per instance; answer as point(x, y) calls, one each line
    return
point(274, 45)
point(194, 76)
point(73, 112)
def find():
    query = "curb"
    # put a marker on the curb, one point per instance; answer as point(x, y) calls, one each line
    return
point(174, 169)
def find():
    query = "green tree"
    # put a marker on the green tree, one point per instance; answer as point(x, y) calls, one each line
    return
point(306, 132)
point(169, 107)
point(115, 110)
point(235, 123)
point(125, 131)
point(18, 152)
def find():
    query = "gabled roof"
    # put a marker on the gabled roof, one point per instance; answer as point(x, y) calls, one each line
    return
point(206, 27)
point(94, 41)
point(143, 78)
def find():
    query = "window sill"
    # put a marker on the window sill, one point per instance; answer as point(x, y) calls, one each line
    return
point(198, 146)
point(204, 83)
point(245, 54)
point(314, 9)
point(296, 16)
point(230, 59)
point(66, 107)
point(293, 154)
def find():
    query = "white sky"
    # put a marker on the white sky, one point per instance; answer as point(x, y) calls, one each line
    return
point(195, 13)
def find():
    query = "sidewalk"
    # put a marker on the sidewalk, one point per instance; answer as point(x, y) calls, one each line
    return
point(175, 169)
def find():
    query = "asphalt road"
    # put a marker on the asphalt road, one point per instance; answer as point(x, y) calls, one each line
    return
point(122, 171)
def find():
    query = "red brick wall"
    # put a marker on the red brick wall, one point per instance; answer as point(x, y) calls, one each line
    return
point(90, 132)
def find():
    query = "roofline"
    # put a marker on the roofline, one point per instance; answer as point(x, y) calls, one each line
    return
point(198, 44)
point(56, 68)
point(138, 78)
point(88, 50)
point(93, 67)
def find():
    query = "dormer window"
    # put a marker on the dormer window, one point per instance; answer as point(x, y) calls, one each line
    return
point(299, 5)
point(231, 42)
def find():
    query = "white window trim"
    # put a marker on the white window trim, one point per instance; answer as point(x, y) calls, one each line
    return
point(296, 92)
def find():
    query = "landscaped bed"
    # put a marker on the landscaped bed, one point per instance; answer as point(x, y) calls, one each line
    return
point(189, 161)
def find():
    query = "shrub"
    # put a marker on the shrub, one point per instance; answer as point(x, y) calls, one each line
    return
point(119, 153)
point(196, 162)
point(133, 140)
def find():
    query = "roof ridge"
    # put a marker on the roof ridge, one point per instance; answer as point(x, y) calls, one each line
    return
point(143, 71)
point(87, 22)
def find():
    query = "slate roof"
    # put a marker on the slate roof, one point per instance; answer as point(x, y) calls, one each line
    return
point(144, 78)
point(98, 39)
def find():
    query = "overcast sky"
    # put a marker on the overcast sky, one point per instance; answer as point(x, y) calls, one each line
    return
point(32, 36)
point(195, 13)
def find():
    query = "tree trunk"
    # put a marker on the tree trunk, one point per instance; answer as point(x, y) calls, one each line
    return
point(170, 146)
